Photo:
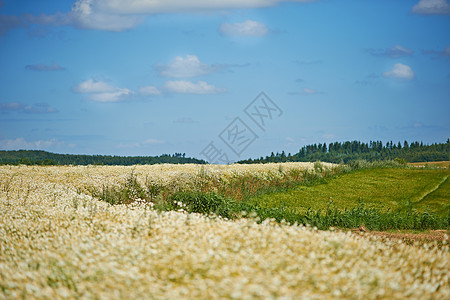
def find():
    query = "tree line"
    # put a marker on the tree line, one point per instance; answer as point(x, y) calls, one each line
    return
point(337, 152)
point(344, 152)
point(38, 157)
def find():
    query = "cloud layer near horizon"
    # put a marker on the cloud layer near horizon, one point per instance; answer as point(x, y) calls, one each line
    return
point(113, 15)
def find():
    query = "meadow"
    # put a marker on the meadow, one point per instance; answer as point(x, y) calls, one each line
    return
point(175, 231)
point(380, 195)
point(382, 189)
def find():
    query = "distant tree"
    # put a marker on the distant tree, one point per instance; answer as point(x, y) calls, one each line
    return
point(36, 157)
point(374, 150)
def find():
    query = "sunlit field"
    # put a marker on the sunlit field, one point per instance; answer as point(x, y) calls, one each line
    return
point(385, 188)
point(57, 241)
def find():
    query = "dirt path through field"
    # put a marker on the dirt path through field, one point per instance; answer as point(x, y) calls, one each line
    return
point(432, 190)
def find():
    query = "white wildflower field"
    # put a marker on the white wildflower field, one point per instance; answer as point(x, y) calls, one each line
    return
point(56, 241)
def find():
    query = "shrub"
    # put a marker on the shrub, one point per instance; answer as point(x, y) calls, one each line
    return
point(199, 202)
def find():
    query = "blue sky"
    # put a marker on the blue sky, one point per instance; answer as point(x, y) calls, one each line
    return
point(151, 77)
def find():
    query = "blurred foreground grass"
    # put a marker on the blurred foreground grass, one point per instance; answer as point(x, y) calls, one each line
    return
point(58, 242)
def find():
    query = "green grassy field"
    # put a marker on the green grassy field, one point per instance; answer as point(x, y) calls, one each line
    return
point(437, 200)
point(380, 196)
point(393, 188)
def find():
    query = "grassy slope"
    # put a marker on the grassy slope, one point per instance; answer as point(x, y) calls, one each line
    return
point(437, 200)
point(378, 188)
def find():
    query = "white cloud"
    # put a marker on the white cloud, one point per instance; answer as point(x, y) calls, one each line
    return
point(393, 52)
point(176, 6)
point(400, 71)
point(188, 87)
point(246, 28)
point(186, 67)
point(432, 7)
point(42, 67)
point(93, 86)
point(116, 96)
point(88, 14)
point(149, 91)
point(37, 108)
point(115, 15)
point(101, 91)
point(22, 144)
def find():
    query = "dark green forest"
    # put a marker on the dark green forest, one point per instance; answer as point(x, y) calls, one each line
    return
point(37, 157)
point(345, 152)
point(337, 152)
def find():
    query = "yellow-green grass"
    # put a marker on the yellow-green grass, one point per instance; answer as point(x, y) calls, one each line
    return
point(394, 189)
point(437, 200)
